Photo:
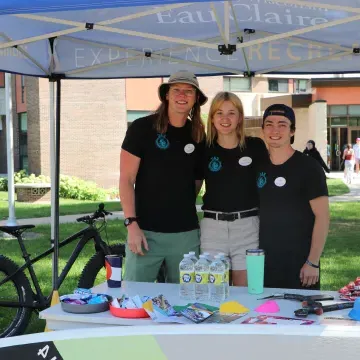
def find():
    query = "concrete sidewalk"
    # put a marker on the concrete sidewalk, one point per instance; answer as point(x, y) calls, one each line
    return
point(353, 195)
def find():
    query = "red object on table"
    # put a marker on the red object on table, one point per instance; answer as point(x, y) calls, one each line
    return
point(128, 313)
point(351, 291)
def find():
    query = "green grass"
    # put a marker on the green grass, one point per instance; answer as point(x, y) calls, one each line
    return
point(67, 207)
point(337, 187)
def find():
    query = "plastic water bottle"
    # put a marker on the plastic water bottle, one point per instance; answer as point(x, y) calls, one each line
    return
point(193, 256)
point(216, 280)
point(208, 257)
point(202, 271)
point(187, 277)
point(226, 261)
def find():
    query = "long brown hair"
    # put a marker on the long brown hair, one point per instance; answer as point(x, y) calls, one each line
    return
point(162, 120)
point(218, 100)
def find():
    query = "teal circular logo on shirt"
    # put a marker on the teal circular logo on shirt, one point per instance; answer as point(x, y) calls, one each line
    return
point(162, 142)
point(261, 180)
point(215, 164)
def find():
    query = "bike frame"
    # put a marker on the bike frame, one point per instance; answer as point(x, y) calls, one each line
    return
point(42, 302)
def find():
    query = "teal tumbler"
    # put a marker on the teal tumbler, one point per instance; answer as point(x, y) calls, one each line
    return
point(255, 262)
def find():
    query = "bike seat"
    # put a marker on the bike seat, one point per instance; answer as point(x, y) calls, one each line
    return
point(14, 229)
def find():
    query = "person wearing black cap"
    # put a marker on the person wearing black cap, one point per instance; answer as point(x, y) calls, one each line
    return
point(294, 206)
point(160, 175)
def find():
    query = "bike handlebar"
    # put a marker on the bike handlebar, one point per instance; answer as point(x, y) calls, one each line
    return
point(100, 213)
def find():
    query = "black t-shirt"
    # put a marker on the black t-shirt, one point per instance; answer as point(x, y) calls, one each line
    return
point(286, 217)
point(165, 182)
point(230, 176)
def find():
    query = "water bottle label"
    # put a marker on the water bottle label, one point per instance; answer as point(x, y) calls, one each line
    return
point(227, 276)
point(202, 277)
point(216, 279)
point(186, 277)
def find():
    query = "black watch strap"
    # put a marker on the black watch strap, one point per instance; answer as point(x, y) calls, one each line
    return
point(311, 264)
point(130, 220)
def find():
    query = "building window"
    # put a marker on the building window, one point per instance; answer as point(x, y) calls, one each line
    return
point(23, 89)
point(301, 86)
point(23, 141)
point(135, 114)
point(237, 84)
point(279, 85)
point(338, 110)
point(354, 110)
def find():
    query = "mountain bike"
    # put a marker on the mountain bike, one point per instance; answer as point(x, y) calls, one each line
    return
point(18, 299)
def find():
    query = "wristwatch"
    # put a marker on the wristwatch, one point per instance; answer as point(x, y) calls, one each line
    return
point(130, 220)
point(312, 265)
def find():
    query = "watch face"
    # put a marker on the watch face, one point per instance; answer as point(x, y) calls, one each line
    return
point(127, 222)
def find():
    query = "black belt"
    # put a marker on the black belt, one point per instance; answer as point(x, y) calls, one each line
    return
point(230, 216)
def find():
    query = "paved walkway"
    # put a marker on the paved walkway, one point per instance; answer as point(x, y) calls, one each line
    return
point(353, 195)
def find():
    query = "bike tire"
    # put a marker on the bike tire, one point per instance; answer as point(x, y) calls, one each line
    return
point(96, 264)
point(24, 293)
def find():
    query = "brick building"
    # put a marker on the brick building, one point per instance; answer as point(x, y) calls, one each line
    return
point(95, 115)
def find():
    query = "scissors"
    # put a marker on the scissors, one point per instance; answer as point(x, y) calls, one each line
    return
point(299, 297)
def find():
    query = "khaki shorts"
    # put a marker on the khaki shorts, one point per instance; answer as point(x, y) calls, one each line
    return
point(230, 237)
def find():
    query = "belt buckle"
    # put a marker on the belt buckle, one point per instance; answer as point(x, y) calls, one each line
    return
point(234, 216)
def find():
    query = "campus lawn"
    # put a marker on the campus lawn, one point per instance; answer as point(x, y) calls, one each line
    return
point(67, 207)
point(339, 262)
point(337, 187)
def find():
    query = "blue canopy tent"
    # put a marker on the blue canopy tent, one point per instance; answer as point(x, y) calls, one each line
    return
point(92, 39)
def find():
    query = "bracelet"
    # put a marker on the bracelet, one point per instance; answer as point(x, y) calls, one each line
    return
point(311, 264)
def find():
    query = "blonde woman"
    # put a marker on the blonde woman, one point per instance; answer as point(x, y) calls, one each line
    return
point(231, 223)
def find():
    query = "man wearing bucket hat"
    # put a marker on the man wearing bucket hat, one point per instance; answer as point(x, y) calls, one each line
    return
point(294, 206)
point(160, 176)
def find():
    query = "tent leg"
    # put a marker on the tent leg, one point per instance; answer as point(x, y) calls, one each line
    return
point(55, 295)
point(11, 221)
point(56, 186)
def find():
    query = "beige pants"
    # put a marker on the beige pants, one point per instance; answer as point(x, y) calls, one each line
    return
point(230, 237)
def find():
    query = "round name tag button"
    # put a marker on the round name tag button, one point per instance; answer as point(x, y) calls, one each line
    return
point(189, 148)
point(245, 161)
point(280, 181)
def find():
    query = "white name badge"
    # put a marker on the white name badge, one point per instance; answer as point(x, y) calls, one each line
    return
point(280, 181)
point(189, 148)
point(245, 161)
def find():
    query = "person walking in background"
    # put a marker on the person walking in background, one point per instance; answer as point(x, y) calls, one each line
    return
point(312, 151)
point(159, 181)
point(349, 157)
point(357, 155)
point(231, 223)
point(294, 206)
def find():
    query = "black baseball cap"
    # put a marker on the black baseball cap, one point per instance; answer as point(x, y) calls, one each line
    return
point(281, 110)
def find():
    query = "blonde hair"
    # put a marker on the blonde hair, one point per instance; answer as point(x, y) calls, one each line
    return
point(218, 100)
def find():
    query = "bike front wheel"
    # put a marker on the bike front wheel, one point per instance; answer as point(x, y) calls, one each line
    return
point(94, 271)
point(14, 320)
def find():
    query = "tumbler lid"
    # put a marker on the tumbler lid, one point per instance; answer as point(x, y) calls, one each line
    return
point(255, 252)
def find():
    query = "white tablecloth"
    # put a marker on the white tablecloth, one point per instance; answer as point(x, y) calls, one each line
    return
point(57, 319)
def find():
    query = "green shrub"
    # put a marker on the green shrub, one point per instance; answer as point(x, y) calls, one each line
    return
point(3, 184)
point(71, 187)
point(74, 188)
point(113, 194)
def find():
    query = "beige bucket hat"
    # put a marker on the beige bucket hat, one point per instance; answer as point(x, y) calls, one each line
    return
point(182, 77)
